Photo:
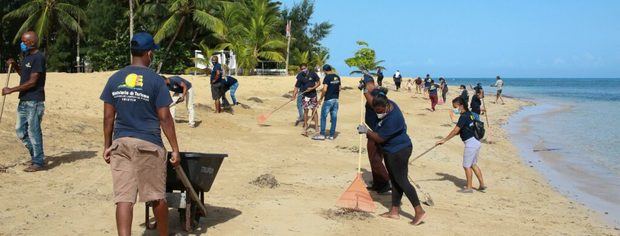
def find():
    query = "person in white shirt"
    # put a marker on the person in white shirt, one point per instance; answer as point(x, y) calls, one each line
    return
point(499, 84)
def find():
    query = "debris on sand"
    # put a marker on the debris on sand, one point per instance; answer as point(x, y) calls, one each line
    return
point(244, 106)
point(353, 149)
point(446, 125)
point(438, 137)
point(346, 88)
point(346, 214)
point(266, 181)
point(255, 99)
point(287, 95)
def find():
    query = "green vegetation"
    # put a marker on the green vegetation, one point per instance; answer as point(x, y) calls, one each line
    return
point(364, 59)
point(253, 29)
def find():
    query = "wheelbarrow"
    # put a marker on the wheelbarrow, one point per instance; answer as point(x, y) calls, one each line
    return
point(201, 169)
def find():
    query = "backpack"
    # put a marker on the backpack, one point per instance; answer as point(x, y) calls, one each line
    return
point(478, 127)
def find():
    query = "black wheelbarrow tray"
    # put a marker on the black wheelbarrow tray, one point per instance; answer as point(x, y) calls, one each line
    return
point(201, 169)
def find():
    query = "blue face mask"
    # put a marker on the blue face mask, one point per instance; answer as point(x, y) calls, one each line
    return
point(24, 47)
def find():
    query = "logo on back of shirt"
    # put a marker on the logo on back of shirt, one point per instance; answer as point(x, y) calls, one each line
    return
point(28, 65)
point(133, 81)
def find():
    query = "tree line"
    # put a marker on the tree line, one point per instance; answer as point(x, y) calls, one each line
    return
point(255, 30)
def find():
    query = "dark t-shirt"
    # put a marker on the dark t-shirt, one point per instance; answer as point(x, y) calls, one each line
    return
point(379, 74)
point(333, 86)
point(444, 86)
point(432, 89)
point(229, 81)
point(175, 84)
point(427, 82)
point(475, 104)
point(466, 124)
point(306, 81)
point(370, 117)
point(216, 67)
point(136, 93)
point(465, 96)
point(393, 130)
point(33, 63)
point(418, 81)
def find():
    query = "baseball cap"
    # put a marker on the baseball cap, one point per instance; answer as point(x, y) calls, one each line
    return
point(143, 41)
point(327, 67)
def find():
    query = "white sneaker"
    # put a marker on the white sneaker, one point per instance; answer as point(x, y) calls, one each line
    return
point(330, 137)
point(318, 137)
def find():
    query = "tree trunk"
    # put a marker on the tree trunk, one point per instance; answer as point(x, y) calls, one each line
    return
point(130, 26)
point(161, 63)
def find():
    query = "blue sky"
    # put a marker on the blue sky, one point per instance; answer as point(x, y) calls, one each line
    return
point(462, 38)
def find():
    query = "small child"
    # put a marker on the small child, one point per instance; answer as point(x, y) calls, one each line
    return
point(409, 85)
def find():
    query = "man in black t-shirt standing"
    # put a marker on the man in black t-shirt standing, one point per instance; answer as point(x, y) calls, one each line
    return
point(31, 99)
point(306, 84)
point(330, 93)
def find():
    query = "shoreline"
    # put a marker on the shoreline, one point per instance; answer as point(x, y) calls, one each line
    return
point(73, 196)
point(584, 182)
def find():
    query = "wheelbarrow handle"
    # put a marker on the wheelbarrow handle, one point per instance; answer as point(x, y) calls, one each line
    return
point(192, 193)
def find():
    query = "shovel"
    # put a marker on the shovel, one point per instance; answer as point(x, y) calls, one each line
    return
point(357, 197)
point(8, 77)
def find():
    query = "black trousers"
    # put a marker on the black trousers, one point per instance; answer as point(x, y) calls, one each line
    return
point(398, 166)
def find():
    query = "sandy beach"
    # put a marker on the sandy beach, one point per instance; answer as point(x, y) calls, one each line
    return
point(74, 195)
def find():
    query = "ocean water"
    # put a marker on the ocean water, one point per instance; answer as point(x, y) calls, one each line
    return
point(576, 124)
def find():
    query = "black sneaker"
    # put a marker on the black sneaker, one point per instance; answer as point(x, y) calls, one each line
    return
point(385, 190)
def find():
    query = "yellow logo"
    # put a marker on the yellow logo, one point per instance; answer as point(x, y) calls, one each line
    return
point(133, 80)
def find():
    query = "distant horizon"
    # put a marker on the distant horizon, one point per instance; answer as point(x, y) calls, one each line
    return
point(474, 39)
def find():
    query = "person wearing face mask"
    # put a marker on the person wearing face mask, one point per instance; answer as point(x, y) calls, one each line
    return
point(307, 83)
point(391, 134)
point(136, 110)
point(380, 177)
point(31, 99)
point(464, 128)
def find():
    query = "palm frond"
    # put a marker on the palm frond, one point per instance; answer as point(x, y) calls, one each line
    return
point(168, 28)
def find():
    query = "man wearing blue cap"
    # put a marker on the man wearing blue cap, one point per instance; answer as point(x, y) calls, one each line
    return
point(330, 93)
point(136, 104)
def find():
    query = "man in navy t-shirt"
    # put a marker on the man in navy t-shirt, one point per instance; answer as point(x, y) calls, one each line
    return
point(217, 85)
point(31, 99)
point(330, 94)
point(136, 101)
point(183, 91)
point(380, 177)
point(306, 84)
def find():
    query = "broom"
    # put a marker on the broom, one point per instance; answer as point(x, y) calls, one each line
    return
point(8, 77)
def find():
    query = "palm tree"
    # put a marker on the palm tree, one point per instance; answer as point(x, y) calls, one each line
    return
point(46, 17)
point(184, 12)
point(255, 35)
point(365, 60)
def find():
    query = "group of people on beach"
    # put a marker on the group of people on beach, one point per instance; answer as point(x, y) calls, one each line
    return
point(138, 106)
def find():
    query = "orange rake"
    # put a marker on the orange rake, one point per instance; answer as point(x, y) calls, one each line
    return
point(263, 117)
point(357, 197)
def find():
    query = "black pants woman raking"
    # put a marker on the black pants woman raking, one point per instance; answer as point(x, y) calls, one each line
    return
point(397, 165)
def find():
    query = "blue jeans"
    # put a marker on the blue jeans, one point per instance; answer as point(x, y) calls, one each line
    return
point(233, 90)
point(28, 128)
point(300, 109)
point(330, 106)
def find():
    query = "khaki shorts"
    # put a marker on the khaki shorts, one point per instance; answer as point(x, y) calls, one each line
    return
point(138, 167)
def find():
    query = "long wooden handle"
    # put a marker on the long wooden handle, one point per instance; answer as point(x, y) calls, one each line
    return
point(8, 77)
point(192, 193)
point(359, 149)
point(424, 153)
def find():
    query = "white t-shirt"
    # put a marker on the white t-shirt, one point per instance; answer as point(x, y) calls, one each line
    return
point(499, 84)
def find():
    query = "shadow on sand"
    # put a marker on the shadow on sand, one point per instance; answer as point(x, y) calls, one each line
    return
point(215, 215)
point(63, 158)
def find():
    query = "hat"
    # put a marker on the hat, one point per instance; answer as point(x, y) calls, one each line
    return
point(327, 67)
point(143, 41)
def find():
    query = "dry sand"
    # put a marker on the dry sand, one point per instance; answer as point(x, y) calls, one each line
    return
point(73, 196)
